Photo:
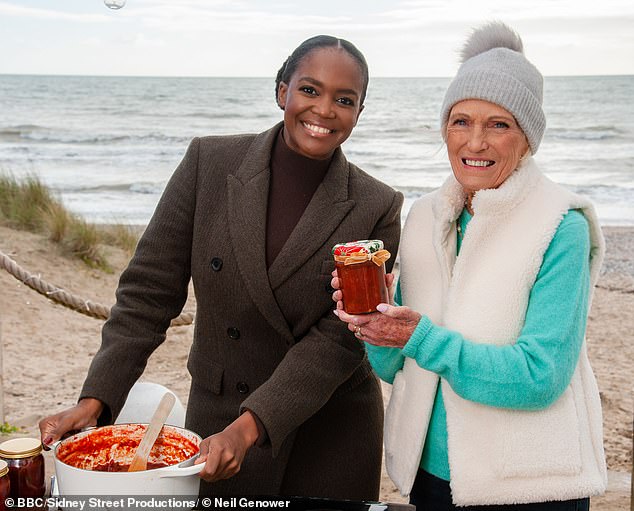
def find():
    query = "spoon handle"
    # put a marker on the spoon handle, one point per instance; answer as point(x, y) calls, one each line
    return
point(139, 462)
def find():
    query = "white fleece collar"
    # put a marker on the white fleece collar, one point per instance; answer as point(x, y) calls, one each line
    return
point(449, 202)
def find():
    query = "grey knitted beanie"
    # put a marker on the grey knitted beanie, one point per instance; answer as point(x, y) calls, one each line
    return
point(495, 69)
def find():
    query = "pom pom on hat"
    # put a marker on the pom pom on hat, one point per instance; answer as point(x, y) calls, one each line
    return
point(492, 35)
point(495, 69)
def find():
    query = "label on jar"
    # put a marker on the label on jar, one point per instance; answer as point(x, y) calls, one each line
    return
point(363, 246)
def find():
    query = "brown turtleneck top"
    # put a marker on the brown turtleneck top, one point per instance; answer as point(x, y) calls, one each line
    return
point(294, 180)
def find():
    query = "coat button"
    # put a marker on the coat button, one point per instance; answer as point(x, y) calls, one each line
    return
point(242, 387)
point(233, 333)
point(216, 264)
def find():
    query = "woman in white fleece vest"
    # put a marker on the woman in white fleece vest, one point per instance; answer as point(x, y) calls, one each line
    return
point(494, 405)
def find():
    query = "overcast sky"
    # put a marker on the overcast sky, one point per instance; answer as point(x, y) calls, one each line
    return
point(253, 37)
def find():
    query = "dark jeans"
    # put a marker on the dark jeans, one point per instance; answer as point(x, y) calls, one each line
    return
point(433, 494)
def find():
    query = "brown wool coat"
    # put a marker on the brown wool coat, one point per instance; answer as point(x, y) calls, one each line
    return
point(265, 340)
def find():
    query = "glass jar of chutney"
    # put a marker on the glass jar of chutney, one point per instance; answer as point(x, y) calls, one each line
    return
point(25, 462)
point(361, 271)
point(5, 484)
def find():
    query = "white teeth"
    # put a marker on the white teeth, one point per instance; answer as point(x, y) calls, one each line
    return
point(479, 163)
point(317, 129)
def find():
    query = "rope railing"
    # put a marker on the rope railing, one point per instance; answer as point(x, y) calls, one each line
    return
point(63, 297)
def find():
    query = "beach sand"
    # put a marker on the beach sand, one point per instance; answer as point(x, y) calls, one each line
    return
point(46, 348)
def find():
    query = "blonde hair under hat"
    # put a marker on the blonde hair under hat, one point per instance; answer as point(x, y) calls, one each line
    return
point(495, 69)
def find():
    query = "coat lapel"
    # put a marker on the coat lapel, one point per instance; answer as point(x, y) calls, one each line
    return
point(248, 193)
point(327, 208)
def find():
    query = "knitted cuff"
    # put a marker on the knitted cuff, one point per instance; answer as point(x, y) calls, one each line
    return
point(420, 332)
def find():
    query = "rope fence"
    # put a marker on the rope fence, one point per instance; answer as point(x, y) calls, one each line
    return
point(63, 297)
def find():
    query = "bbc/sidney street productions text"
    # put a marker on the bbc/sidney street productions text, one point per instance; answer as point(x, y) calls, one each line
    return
point(146, 503)
point(85, 503)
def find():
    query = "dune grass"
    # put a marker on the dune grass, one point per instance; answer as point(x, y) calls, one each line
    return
point(7, 429)
point(29, 205)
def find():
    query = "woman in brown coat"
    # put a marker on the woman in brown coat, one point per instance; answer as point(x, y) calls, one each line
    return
point(282, 393)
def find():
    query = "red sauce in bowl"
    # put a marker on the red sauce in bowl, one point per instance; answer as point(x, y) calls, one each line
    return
point(111, 448)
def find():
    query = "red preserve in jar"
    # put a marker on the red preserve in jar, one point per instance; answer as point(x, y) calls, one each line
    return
point(361, 270)
point(5, 484)
point(25, 462)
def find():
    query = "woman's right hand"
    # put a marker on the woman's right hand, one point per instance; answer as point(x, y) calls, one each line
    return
point(83, 415)
point(337, 295)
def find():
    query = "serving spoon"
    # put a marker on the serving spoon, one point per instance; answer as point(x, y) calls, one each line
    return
point(139, 461)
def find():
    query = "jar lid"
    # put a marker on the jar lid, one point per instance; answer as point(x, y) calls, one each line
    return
point(20, 448)
point(4, 468)
point(364, 246)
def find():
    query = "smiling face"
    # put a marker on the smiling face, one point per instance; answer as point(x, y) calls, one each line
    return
point(321, 102)
point(485, 144)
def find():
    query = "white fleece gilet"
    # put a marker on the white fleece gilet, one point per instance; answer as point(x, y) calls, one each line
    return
point(496, 456)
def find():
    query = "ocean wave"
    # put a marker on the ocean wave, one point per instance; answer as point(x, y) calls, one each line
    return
point(20, 128)
point(587, 133)
point(140, 188)
point(19, 131)
point(626, 190)
point(73, 138)
point(413, 192)
point(220, 115)
point(409, 131)
point(603, 195)
point(147, 188)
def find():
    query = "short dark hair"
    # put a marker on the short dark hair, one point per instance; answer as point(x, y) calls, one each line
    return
point(320, 41)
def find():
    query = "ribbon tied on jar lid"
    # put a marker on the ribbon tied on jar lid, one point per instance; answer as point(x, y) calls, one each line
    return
point(355, 252)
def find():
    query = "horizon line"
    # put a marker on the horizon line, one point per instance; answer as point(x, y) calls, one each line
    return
point(81, 75)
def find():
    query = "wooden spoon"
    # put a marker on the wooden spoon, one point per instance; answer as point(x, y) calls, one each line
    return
point(139, 462)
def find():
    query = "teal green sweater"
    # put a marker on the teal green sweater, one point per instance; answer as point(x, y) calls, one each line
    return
point(528, 375)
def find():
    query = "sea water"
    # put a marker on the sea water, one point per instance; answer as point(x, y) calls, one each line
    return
point(108, 145)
